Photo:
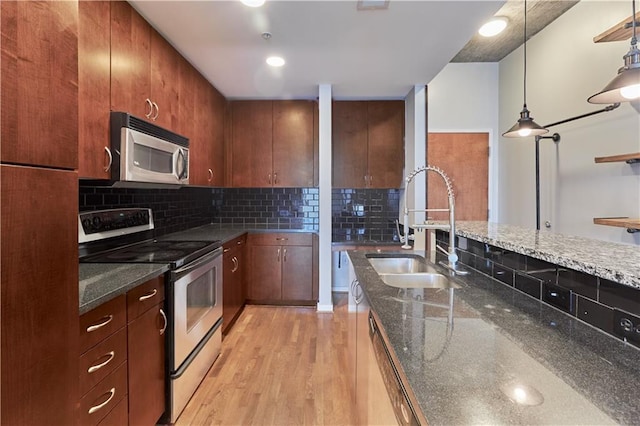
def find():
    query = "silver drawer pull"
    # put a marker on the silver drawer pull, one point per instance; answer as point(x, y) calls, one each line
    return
point(97, 367)
point(108, 166)
point(148, 296)
point(95, 327)
point(226, 250)
point(281, 239)
point(164, 317)
point(99, 406)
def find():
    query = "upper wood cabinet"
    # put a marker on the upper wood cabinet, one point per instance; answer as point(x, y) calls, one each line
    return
point(94, 88)
point(39, 83)
point(145, 70)
point(368, 144)
point(272, 143)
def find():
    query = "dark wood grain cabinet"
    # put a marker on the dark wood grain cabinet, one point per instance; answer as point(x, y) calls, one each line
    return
point(39, 83)
point(145, 69)
point(94, 88)
point(282, 268)
point(234, 270)
point(368, 144)
point(272, 143)
point(39, 292)
point(146, 325)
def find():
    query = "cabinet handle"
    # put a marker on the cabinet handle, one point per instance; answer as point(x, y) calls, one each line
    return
point(278, 256)
point(148, 295)
point(99, 406)
point(210, 175)
point(282, 239)
point(284, 255)
point(164, 317)
point(157, 111)
point(269, 178)
point(95, 327)
point(226, 250)
point(239, 242)
point(108, 166)
point(97, 367)
point(148, 102)
point(370, 180)
point(275, 178)
point(235, 264)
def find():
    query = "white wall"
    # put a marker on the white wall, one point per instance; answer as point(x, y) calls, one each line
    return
point(463, 97)
point(564, 68)
point(414, 157)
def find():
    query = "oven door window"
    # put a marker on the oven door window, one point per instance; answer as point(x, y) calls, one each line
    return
point(201, 298)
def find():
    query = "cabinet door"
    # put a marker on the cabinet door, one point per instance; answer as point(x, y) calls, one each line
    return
point(239, 279)
point(39, 293)
point(386, 143)
point(130, 61)
point(251, 150)
point(39, 83)
point(349, 151)
point(215, 117)
point(94, 80)
point(265, 281)
point(229, 284)
point(146, 368)
point(297, 273)
point(190, 123)
point(164, 81)
point(293, 143)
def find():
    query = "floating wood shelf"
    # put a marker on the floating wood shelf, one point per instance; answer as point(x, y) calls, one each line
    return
point(632, 225)
point(627, 158)
point(620, 31)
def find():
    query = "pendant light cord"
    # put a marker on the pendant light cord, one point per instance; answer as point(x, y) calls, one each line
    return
point(525, 53)
point(634, 40)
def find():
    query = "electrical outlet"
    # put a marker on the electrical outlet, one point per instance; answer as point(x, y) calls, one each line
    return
point(626, 325)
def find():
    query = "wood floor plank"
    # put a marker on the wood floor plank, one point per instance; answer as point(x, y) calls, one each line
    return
point(278, 366)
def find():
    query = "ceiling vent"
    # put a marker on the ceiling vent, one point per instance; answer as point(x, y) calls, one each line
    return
point(373, 4)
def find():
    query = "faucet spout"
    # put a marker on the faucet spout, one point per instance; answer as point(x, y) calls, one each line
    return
point(452, 256)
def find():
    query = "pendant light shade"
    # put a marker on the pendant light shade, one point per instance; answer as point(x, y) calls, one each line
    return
point(525, 126)
point(625, 86)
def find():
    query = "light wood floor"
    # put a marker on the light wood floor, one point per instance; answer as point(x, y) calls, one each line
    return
point(278, 366)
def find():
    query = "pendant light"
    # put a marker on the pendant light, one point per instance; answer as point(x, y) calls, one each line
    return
point(625, 86)
point(525, 126)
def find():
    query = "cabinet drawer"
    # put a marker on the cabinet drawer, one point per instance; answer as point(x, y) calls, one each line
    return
point(119, 416)
point(236, 242)
point(144, 297)
point(100, 400)
point(101, 322)
point(102, 359)
point(281, 239)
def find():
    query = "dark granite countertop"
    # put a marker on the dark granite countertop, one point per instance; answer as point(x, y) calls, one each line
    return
point(101, 282)
point(501, 339)
point(221, 232)
point(612, 261)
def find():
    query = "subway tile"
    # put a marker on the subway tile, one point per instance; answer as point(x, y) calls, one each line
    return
point(531, 286)
point(596, 314)
point(503, 274)
point(619, 296)
point(579, 282)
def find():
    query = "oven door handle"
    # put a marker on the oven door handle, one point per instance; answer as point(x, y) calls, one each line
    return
point(197, 263)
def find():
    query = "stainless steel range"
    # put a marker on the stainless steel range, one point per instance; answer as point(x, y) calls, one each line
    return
point(194, 290)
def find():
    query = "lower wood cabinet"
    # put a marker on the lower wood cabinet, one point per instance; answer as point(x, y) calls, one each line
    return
point(234, 272)
point(283, 268)
point(122, 361)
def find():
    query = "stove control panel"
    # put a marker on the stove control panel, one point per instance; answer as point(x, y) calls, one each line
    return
point(101, 224)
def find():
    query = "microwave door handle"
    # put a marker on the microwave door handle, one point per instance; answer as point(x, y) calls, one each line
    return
point(181, 164)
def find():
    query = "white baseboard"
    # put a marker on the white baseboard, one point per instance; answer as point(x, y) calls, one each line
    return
point(325, 308)
point(340, 289)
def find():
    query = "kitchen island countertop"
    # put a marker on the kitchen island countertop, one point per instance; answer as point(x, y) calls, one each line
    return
point(501, 339)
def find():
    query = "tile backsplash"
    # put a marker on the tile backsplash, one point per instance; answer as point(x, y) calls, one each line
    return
point(364, 215)
point(182, 208)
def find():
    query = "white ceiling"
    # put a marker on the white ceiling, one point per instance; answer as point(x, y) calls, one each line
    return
point(362, 53)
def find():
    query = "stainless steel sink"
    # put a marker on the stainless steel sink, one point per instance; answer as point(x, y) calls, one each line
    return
point(409, 271)
point(418, 280)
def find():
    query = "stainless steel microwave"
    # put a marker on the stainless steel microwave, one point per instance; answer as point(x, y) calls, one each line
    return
point(145, 153)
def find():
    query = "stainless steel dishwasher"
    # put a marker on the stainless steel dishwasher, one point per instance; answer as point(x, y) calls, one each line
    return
point(402, 407)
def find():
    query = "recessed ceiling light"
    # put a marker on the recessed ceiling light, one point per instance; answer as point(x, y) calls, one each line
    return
point(275, 61)
point(253, 3)
point(493, 27)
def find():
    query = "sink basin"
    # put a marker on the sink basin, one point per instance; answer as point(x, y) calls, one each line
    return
point(409, 271)
point(418, 280)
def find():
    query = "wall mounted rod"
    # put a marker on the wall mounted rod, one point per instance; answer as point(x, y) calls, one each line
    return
point(556, 138)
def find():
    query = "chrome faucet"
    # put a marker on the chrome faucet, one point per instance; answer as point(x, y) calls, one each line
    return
point(452, 257)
